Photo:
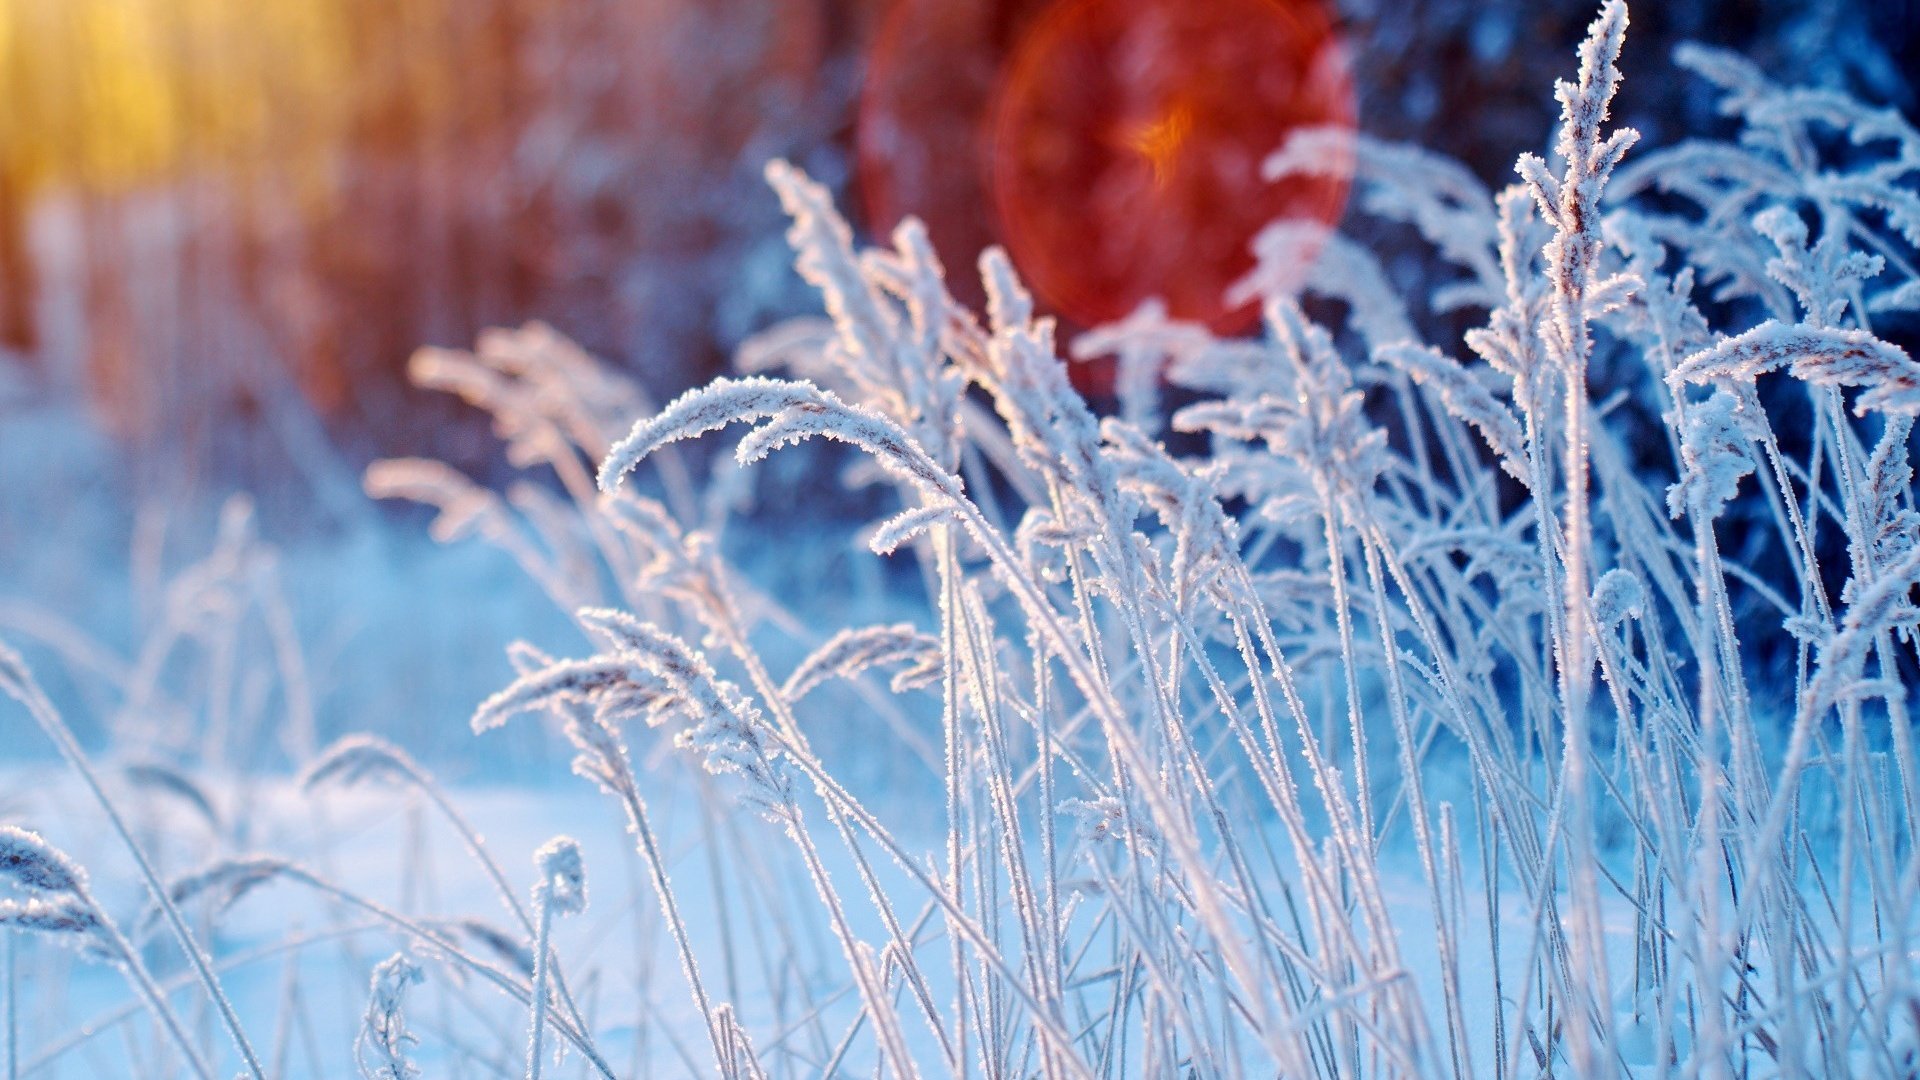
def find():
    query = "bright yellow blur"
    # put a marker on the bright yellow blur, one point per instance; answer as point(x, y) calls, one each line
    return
point(103, 95)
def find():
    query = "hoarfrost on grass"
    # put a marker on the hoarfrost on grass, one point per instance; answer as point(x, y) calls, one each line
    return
point(1520, 701)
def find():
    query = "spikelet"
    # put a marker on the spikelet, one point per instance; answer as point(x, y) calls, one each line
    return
point(1714, 456)
point(592, 697)
point(1440, 197)
point(854, 650)
point(524, 411)
point(1466, 398)
point(926, 397)
point(509, 949)
point(465, 507)
point(791, 412)
point(823, 246)
point(1205, 537)
point(653, 649)
point(904, 527)
point(1055, 433)
point(66, 917)
point(563, 875)
point(724, 728)
point(1510, 342)
point(1617, 596)
point(384, 1042)
point(593, 680)
point(1871, 610)
point(1893, 530)
point(1338, 267)
point(161, 777)
point(31, 863)
point(1320, 426)
point(1823, 277)
point(358, 759)
point(221, 883)
point(1570, 201)
point(570, 389)
point(1823, 356)
point(697, 412)
point(735, 741)
point(1141, 344)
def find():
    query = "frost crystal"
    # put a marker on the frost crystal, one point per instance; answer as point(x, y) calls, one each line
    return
point(563, 875)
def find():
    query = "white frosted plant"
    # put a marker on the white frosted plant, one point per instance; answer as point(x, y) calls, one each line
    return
point(1184, 744)
point(1519, 701)
point(381, 1052)
point(57, 902)
point(74, 904)
point(561, 890)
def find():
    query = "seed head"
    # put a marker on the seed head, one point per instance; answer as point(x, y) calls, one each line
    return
point(37, 866)
point(563, 875)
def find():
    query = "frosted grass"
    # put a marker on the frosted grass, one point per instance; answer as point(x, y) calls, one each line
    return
point(1528, 700)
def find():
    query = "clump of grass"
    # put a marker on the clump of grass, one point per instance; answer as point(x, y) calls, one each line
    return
point(1448, 555)
point(59, 903)
point(1595, 615)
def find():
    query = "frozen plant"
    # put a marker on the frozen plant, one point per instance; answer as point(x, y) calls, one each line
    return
point(562, 890)
point(18, 683)
point(381, 1050)
point(1507, 677)
point(59, 903)
point(1194, 709)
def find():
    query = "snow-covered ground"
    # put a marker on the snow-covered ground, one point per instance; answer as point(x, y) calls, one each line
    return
point(297, 963)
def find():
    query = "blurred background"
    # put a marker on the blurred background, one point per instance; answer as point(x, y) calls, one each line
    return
point(215, 213)
point(226, 224)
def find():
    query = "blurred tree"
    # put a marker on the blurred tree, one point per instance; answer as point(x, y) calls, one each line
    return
point(212, 209)
point(207, 203)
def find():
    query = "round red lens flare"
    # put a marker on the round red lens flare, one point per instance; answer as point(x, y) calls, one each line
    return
point(924, 137)
point(1127, 143)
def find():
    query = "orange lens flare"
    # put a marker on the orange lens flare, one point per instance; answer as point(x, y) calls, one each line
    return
point(1201, 93)
point(1159, 142)
point(1114, 146)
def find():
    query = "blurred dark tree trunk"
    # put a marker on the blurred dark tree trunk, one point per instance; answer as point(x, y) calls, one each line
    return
point(18, 282)
point(17, 286)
